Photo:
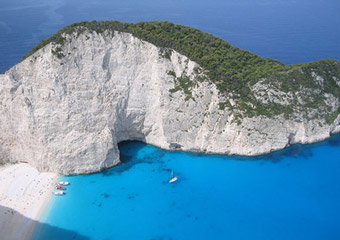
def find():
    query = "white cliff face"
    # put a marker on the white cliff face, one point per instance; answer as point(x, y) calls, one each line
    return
point(67, 115)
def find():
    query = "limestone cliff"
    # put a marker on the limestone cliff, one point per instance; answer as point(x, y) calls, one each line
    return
point(67, 114)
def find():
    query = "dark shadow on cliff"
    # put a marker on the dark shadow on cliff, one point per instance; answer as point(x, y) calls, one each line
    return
point(131, 153)
point(10, 218)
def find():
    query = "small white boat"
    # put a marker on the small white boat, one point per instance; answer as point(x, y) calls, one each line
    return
point(58, 193)
point(63, 183)
point(173, 178)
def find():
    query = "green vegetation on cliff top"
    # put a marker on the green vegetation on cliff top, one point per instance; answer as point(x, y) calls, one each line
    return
point(225, 63)
point(232, 70)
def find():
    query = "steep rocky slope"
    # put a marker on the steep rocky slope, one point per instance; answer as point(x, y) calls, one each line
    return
point(65, 107)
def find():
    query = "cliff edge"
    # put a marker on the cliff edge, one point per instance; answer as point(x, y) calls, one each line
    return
point(67, 105)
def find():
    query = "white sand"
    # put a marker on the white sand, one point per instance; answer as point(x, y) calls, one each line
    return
point(24, 192)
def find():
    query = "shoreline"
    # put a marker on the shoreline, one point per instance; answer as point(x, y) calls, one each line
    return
point(197, 151)
point(24, 194)
point(43, 206)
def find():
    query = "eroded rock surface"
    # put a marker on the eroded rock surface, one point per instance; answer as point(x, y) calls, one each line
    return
point(67, 115)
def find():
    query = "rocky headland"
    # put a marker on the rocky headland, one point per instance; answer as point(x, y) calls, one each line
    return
point(73, 98)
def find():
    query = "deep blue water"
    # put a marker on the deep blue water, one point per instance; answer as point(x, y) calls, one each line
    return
point(291, 31)
point(291, 194)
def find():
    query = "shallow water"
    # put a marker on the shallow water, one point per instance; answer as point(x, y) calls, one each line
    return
point(291, 194)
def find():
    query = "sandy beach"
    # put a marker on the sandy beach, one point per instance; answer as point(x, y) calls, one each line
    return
point(24, 192)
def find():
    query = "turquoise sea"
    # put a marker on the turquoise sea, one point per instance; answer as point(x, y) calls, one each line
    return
point(291, 194)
